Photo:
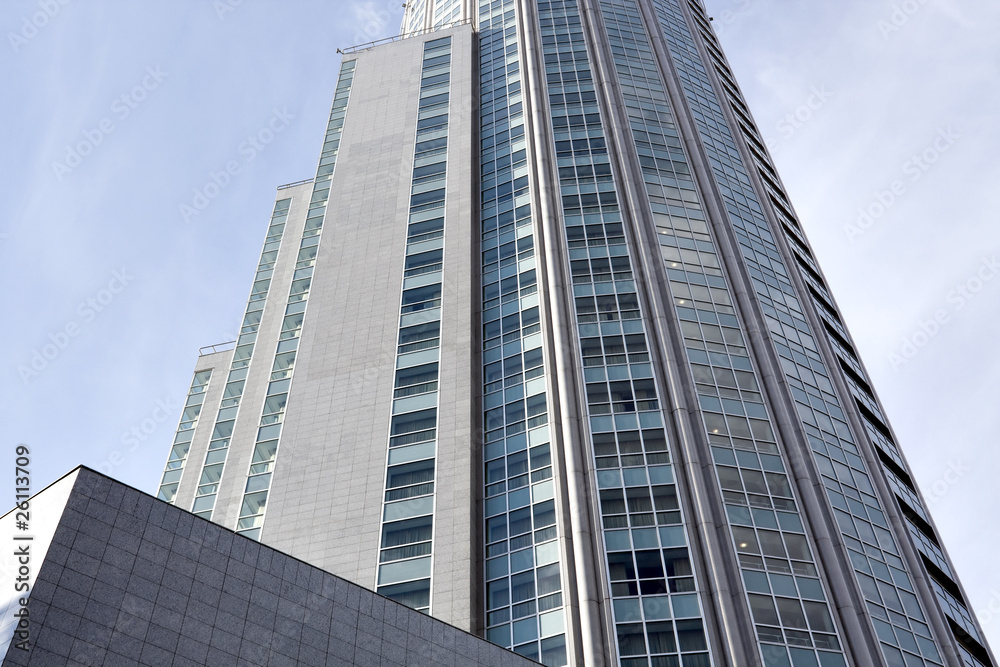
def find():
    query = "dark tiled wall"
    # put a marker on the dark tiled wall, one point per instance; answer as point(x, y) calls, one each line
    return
point(129, 579)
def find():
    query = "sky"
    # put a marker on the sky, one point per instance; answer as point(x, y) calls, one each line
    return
point(126, 245)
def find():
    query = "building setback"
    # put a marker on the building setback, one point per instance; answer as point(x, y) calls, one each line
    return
point(543, 351)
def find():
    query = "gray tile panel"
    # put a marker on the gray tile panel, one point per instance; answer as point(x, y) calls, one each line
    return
point(327, 491)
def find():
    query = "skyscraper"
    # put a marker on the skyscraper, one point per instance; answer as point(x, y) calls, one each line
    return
point(543, 351)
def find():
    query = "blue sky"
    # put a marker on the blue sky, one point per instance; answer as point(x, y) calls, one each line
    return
point(881, 117)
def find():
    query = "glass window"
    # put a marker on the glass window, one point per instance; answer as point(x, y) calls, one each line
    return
point(415, 594)
point(410, 473)
point(407, 532)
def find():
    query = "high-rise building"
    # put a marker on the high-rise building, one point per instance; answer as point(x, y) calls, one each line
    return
point(543, 351)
